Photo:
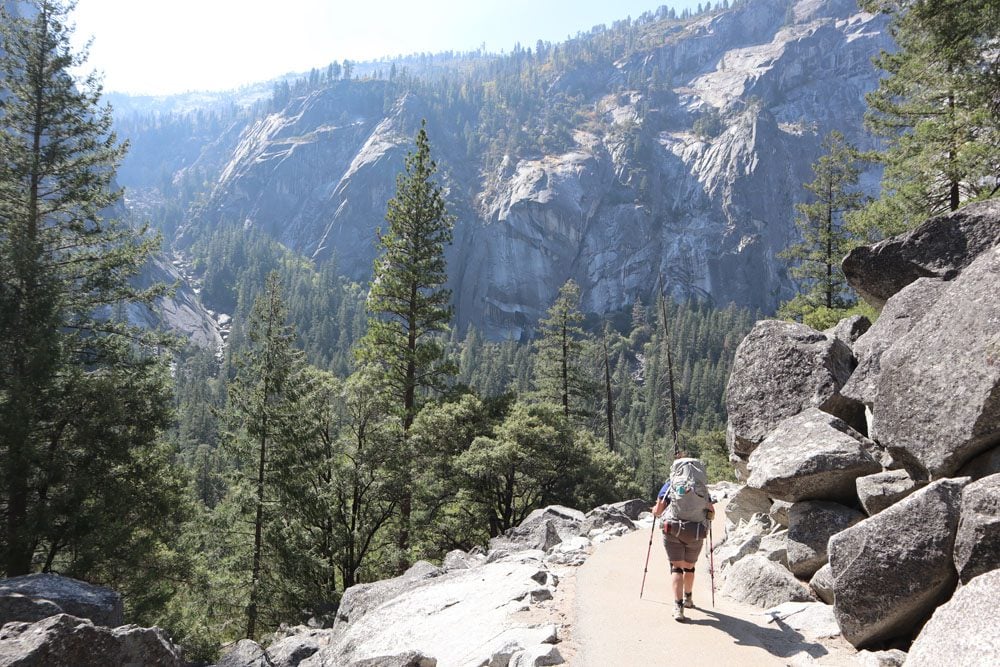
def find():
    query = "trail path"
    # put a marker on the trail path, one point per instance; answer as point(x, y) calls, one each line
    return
point(613, 627)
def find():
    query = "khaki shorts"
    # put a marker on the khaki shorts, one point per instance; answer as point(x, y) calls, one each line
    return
point(681, 549)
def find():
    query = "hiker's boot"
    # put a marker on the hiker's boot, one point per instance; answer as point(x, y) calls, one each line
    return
point(688, 602)
point(679, 610)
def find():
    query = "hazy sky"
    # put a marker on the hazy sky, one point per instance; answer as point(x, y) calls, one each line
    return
point(169, 46)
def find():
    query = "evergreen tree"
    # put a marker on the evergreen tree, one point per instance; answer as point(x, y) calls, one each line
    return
point(408, 304)
point(560, 374)
point(262, 414)
point(826, 239)
point(938, 107)
point(82, 398)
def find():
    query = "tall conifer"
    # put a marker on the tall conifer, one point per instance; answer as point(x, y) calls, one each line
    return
point(409, 306)
point(81, 399)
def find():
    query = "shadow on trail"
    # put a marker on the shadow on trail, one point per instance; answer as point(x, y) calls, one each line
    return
point(781, 641)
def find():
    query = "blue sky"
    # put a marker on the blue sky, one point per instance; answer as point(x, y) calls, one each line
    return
point(171, 46)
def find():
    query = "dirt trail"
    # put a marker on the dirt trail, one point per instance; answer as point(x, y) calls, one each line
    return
point(612, 627)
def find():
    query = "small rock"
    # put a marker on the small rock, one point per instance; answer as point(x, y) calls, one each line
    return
point(779, 512)
point(746, 502)
point(891, 658)
point(245, 653)
point(977, 543)
point(822, 584)
point(878, 491)
point(537, 656)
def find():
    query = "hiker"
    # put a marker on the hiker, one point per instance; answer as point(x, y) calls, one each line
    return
point(687, 506)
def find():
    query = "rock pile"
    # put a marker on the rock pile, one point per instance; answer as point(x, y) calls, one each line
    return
point(893, 517)
point(53, 621)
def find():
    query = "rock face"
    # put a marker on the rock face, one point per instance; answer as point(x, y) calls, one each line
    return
point(811, 524)
point(780, 369)
point(423, 613)
point(811, 455)
point(68, 641)
point(761, 582)
point(977, 544)
point(614, 201)
point(892, 569)
point(928, 421)
point(941, 247)
point(77, 598)
point(962, 631)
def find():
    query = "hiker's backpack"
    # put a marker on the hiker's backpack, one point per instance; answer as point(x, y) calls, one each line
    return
point(688, 492)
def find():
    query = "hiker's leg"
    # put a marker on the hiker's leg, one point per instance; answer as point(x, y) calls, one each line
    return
point(677, 578)
point(688, 577)
point(683, 581)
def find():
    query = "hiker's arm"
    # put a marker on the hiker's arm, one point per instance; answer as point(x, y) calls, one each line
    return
point(661, 504)
point(710, 512)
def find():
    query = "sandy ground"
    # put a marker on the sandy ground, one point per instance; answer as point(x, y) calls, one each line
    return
point(606, 624)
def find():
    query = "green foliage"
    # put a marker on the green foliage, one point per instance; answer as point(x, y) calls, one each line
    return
point(826, 238)
point(86, 488)
point(937, 108)
point(561, 375)
point(709, 124)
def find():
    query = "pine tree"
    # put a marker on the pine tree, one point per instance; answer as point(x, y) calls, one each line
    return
point(938, 107)
point(82, 398)
point(560, 374)
point(262, 414)
point(826, 238)
point(409, 307)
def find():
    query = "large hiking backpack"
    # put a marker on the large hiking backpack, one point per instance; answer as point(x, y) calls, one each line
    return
point(688, 492)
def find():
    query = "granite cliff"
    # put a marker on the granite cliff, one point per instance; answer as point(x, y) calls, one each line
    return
point(683, 157)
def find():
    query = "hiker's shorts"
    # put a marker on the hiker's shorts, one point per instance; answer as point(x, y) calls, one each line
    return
point(683, 546)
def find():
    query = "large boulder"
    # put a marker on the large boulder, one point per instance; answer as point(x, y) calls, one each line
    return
point(291, 651)
point(977, 544)
point(892, 569)
point(878, 491)
point(941, 247)
point(900, 315)
point(605, 516)
point(67, 641)
point(17, 607)
point(931, 423)
point(780, 369)
point(745, 503)
point(963, 631)
point(542, 529)
point(812, 455)
point(101, 605)
point(811, 524)
point(759, 581)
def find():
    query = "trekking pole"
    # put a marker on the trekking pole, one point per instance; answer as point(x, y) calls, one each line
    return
point(711, 562)
point(648, 550)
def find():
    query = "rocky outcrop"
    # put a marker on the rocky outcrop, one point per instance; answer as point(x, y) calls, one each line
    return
point(811, 455)
point(293, 650)
point(759, 581)
point(900, 314)
point(977, 544)
point(850, 329)
point(67, 641)
point(929, 422)
point(940, 248)
point(58, 594)
point(891, 570)
point(962, 631)
point(542, 530)
point(811, 524)
point(780, 369)
point(626, 192)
